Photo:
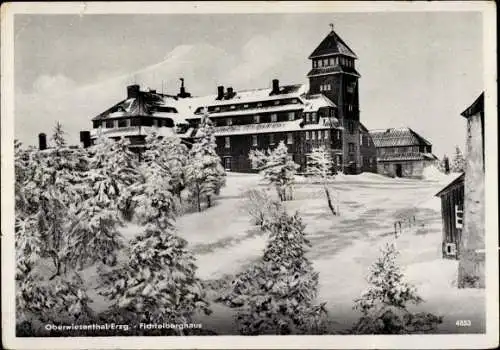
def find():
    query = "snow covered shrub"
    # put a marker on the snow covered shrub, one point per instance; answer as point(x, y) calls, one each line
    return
point(277, 294)
point(60, 300)
point(259, 206)
point(205, 175)
point(384, 303)
point(277, 167)
point(320, 165)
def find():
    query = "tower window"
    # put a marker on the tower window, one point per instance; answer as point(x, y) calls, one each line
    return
point(308, 135)
point(325, 134)
point(320, 63)
point(351, 147)
point(289, 138)
point(308, 117)
point(274, 117)
point(271, 139)
point(330, 61)
point(325, 62)
point(313, 119)
point(254, 140)
point(351, 127)
point(227, 142)
point(313, 135)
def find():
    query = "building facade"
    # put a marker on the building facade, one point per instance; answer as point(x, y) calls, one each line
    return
point(472, 259)
point(367, 151)
point(402, 152)
point(324, 113)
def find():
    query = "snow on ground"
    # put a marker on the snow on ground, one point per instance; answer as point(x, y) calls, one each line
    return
point(224, 242)
point(343, 247)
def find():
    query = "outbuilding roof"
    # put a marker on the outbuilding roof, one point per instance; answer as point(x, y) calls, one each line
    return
point(394, 137)
point(457, 181)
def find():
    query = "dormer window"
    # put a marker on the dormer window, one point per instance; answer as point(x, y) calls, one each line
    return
point(217, 109)
point(232, 107)
point(274, 117)
point(294, 101)
point(110, 124)
point(259, 104)
point(277, 102)
point(245, 106)
point(313, 117)
point(229, 121)
point(308, 117)
point(256, 118)
point(291, 116)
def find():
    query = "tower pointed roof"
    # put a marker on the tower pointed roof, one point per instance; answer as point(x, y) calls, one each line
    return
point(332, 45)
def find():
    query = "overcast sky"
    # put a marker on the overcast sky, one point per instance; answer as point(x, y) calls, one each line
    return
point(418, 70)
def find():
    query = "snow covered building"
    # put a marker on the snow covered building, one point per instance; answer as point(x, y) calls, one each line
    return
point(324, 112)
point(401, 152)
point(138, 115)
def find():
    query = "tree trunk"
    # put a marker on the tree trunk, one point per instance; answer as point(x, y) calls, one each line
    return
point(57, 264)
point(198, 198)
point(209, 201)
point(329, 199)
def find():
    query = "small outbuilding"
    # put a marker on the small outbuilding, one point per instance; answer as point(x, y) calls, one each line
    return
point(452, 214)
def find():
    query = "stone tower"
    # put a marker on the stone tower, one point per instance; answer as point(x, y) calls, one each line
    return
point(334, 75)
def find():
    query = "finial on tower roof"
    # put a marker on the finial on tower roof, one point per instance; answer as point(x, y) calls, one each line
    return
point(332, 26)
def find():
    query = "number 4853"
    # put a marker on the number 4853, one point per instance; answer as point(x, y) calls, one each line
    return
point(463, 323)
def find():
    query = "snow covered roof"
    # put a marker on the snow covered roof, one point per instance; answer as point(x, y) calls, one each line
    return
point(263, 128)
point(332, 44)
point(131, 131)
point(397, 137)
point(314, 102)
point(405, 156)
point(459, 180)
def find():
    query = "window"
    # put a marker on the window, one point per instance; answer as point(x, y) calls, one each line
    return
point(156, 122)
point(308, 135)
point(232, 107)
point(350, 108)
point(245, 106)
point(259, 104)
point(315, 64)
point(320, 63)
point(351, 147)
point(289, 138)
point(217, 109)
point(122, 123)
point(229, 121)
point(330, 61)
point(294, 101)
point(313, 135)
point(291, 116)
point(271, 139)
point(325, 62)
point(256, 118)
point(110, 124)
point(313, 117)
point(361, 139)
point(277, 102)
point(308, 117)
point(321, 87)
point(274, 117)
point(254, 140)
point(325, 134)
point(96, 124)
point(227, 142)
point(351, 127)
point(338, 134)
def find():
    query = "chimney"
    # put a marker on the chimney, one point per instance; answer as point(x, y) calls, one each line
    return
point(133, 91)
point(85, 138)
point(276, 86)
point(42, 141)
point(230, 93)
point(153, 91)
point(220, 92)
